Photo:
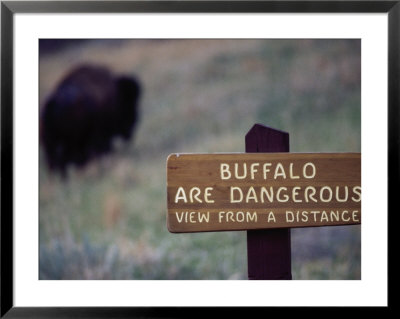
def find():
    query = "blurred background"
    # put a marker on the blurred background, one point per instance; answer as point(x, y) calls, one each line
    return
point(107, 220)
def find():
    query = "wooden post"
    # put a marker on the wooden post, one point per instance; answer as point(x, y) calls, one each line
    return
point(268, 251)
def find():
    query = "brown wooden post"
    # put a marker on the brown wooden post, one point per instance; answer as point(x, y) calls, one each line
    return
point(268, 251)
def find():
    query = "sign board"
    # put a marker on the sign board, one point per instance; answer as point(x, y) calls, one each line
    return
point(243, 191)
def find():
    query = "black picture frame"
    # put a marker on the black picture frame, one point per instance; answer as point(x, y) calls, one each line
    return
point(9, 8)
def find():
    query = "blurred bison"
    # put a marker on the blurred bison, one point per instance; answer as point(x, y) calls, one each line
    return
point(87, 110)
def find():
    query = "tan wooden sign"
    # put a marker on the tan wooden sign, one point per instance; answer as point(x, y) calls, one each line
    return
point(218, 192)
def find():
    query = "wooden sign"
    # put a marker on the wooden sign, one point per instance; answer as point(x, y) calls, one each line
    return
point(218, 192)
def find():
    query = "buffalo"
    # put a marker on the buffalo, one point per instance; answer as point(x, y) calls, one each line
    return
point(89, 108)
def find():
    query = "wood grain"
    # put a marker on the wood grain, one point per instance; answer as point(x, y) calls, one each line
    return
point(242, 191)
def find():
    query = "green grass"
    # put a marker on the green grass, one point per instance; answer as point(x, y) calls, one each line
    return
point(109, 220)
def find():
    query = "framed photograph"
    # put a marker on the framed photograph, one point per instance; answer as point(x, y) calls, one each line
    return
point(95, 96)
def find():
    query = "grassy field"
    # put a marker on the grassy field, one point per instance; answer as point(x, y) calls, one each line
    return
point(108, 221)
